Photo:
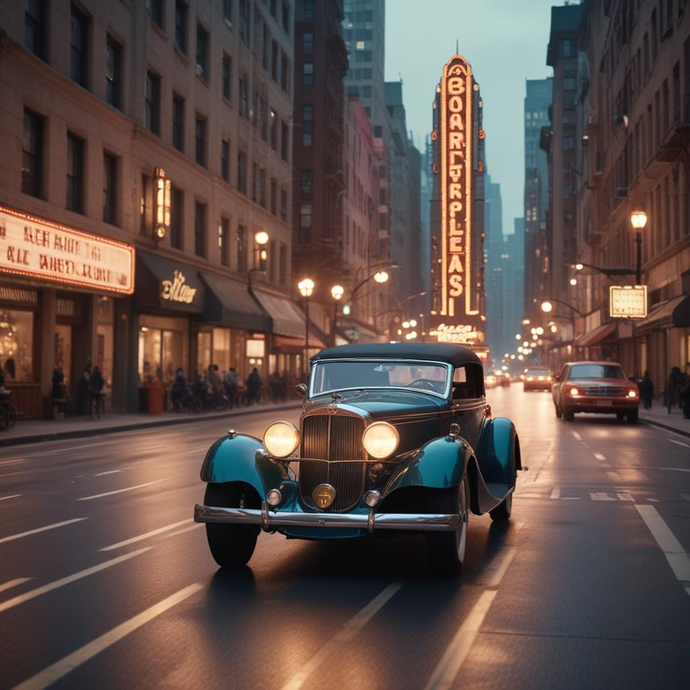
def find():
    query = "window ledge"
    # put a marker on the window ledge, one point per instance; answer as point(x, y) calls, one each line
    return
point(181, 55)
point(159, 30)
point(202, 80)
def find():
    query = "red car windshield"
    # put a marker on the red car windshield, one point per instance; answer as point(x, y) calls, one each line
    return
point(596, 371)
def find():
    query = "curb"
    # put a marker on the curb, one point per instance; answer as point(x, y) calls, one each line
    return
point(134, 426)
point(667, 427)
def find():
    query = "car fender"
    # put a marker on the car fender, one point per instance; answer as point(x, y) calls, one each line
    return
point(498, 451)
point(242, 458)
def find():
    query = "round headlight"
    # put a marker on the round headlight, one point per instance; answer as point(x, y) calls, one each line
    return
point(574, 392)
point(380, 439)
point(281, 439)
point(632, 393)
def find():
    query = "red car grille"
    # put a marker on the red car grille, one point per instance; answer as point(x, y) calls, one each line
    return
point(602, 391)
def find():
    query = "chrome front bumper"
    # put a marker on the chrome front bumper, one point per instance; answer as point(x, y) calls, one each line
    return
point(268, 519)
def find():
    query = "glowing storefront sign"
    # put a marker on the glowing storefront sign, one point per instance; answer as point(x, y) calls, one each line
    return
point(628, 302)
point(177, 290)
point(447, 333)
point(36, 248)
point(456, 188)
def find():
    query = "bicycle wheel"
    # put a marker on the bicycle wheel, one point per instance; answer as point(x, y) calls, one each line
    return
point(12, 415)
point(4, 417)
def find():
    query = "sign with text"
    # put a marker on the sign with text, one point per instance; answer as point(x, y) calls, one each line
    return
point(627, 302)
point(36, 248)
point(462, 335)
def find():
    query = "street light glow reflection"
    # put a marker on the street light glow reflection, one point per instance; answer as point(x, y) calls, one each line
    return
point(546, 307)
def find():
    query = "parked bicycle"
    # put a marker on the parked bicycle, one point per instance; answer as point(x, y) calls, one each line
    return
point(8, 412)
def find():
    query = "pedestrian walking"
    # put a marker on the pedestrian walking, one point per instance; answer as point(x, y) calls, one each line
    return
point(253, 386)
point(179, 389)
point(646, 386)
point(684, 395)
point(673, 386)
point(231, 385)
point(96, 384)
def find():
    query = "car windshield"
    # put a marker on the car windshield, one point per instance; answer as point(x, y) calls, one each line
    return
point(340, 375)
point(596, 371)
point(538, 372)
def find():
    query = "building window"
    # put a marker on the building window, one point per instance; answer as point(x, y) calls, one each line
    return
point(244, 108)
point(200, 141)
point(113, 72)
point(307, 124)
point(241, 249)
point(274, 196)
point(79, 41)
point(200, 229)
point(308, 43)
point(181, 14)
point(227, 77)
point(146, 205)
point(178, 122)
point(176, 218)
point(305, 182)
point(308, 74)
point(75, 173)
point(153, 103)
point(32, 154)
point(566, 49)
point(286, 17)
point(242, 172)
point(255, 182)
point(308, 10)
point(225, 160)
point(282, 265)
point(244, 21)
point(109, 189)
point(156, 9)
point(305, 224)
point(227, 10)
point(284, 141)
point(262, 187)
point(568, 143)
point(568, 84)
point(274, 61)
point(202, 52)
point(35, 27)
point(224, 241)
point(283, 204)
point(274, 129)
point(285, 73)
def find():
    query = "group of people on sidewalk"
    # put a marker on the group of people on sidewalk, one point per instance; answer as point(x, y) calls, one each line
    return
point(89, 391)
point(675, 393)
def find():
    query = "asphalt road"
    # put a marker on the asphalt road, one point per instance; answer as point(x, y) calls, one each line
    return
point(105, 582)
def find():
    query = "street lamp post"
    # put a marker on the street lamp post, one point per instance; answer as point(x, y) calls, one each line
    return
point(260, 255)
point(638, 219)
point(337, 292)
point(306, 289)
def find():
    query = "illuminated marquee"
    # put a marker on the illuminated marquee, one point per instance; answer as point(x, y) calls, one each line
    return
point(456, 189)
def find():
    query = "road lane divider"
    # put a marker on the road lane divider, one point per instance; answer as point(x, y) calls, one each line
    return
point(28, 533)
point(121, 491)
point(680, 443)
point(7, 498)
point(13, 583)
point(184, 530)
point(675, 554)
point(601, 496)
point(56, 584)
point(556, 493)
point(64, 666)
point(346, 634)
point(599, 456)
point(454, 657)
point(141, 537)
point(102, 474)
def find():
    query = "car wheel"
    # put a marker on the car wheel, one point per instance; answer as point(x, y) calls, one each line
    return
point(632, 417)
point(568, 414)
point(446, 550)
point(559, 412)
point(501, 513)
point(231, 545)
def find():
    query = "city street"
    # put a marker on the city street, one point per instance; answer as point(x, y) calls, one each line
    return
point(106, 582)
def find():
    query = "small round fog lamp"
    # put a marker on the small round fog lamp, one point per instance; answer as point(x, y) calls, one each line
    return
point(274, 497)
point(371, 498)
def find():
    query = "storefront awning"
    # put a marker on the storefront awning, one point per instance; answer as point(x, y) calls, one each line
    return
point(356, 331)
point(230, 303)
point(288, 345)
point(596, 336)
point(673, 312)
point(288, 318)
point(166, 284)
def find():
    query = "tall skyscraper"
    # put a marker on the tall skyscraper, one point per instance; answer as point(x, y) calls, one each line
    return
point(495, 269)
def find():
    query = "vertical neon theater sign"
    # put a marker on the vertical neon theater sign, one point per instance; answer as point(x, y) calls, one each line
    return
point(456, 191)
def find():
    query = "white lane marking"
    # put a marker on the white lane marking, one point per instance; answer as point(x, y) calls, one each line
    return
point(152, 533)
point(61, 668)
point(16, 461)
point(673, 550)
point(601, 496)
point(453, 658)
point(506, 558)
point(120, 491)
point(184, 529)
point(7, 498)
point(680, 443)
point(576, 435)
point(654, 500)
point(10, 603)
point(102, 474)
point(348, 631)
point(599, 456)
point(670, 469)
point(41, 529)
point(625, 497)
point(13, 583)
point(571, 498)
point(521, 495)
point(556, 493)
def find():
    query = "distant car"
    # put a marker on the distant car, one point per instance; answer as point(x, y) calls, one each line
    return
point(391, 437)
point(536, 379)
point(490, 381)
point(504, 378)
point(595, 387)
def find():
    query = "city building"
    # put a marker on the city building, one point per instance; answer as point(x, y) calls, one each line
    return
point(496, 315)
point(427, 189)
point(146, 183)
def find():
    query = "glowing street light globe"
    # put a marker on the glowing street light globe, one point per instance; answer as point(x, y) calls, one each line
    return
point(573, 281)
point(381, 277)
point(406, 324)
point(638, 219)
point(306, 287)
point(413, 323)
point(546, 307)
point(579, 267)
point(261, 237)
point(540, 331)
point(554, 328)
point(337, 291)
point(518, 336)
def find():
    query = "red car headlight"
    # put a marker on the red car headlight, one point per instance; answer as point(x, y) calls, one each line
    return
point(632, 393)
point(574, 391)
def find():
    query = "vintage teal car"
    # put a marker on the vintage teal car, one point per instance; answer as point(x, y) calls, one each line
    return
point(391, 437)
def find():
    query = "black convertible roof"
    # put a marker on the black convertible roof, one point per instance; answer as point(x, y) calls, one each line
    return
point(435, 352)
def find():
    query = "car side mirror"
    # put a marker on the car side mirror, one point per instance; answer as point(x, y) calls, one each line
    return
point(301, 389)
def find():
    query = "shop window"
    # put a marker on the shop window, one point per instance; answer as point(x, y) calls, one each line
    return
point(16, 345)
point(221, 348)
point(35, 27)
point(113, 72)
point(200, 229)
point(75, 173)
point(63, 352)
point(109, 189)
point(203, 351)
point(79, 37)
point(32, 154)
point(181, 14)
point(161, 349)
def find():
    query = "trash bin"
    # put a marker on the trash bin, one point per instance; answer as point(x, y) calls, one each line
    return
point(156, 395)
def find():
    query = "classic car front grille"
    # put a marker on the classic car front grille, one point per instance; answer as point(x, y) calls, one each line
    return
point(331, 443)
point(602, 391)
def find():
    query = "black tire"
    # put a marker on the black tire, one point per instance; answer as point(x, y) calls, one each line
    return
point(559, 412)
point(501, 513)
point(632, 417)
point(231, 545)
point(446, 550)
point(568, 415)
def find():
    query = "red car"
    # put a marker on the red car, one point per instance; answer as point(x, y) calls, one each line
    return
point(537, 379)
point(599, 387)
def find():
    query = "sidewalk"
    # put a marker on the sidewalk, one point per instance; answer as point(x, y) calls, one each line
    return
point(658, 416)
point(34, 430)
